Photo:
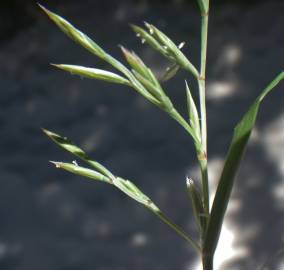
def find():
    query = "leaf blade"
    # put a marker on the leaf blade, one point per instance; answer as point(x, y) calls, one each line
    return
point(235, 153)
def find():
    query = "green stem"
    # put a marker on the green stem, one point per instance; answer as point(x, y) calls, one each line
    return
point(207, 259)
point(207, 262)
point(176, 115)
point(201, 83)
point(204, 42)
point(205, 185)
point(178, 230)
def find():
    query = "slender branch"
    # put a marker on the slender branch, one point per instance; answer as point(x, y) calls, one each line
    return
point(176, 115)
point(178, 230)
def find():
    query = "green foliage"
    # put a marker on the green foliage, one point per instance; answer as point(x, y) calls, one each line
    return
point(140, 78)
point(240, 139)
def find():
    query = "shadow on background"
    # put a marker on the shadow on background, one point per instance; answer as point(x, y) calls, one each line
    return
point(53, 220)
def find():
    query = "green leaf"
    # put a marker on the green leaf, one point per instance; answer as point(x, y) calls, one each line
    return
point(237, 148)
point(75, 150)
point(81, 171)
point(94, 73)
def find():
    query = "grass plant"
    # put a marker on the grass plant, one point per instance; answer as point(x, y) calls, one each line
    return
point(141, 79)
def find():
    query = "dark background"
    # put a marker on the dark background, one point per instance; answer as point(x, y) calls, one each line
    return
point(54, 220)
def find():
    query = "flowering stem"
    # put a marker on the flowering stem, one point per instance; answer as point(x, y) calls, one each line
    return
point(207, 259)
point(201, 83)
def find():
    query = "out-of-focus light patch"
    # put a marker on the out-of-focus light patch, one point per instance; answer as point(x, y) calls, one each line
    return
point(30, 106)
point(124, 12)
point(281, 265)
point(141, 103)
point(67, 211)
point(93, 140)
point(215, 166)
point(94, 227)
point(8, 250)
point(139, 239)
point(254, 182)
point(121, 14)
point(46, 194)
point(278, 194)
point(226, 249)
point(220, 89)
point(229, 58)
point(255, 136)
point(74, 93)
point(102, 110)
point(232, 54)
point(162, 194)
point(273, 141)
point(3, 250)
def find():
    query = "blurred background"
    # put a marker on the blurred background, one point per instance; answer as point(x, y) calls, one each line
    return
point(54, 220)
